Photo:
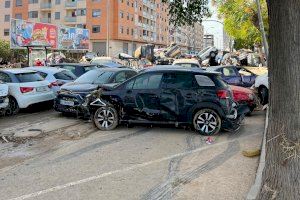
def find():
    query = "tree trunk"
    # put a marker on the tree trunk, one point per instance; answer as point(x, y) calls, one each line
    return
point(281, 177)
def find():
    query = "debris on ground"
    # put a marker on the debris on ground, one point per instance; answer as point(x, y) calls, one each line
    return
point(251, 153)
point(209, 140)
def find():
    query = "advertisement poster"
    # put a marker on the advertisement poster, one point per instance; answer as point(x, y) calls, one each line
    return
point(27, 33)
point(73, 38)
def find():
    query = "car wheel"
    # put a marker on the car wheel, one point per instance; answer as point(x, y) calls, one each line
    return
point(106, 118)
point(263, 95)
point(207, 122)
point(13, 107)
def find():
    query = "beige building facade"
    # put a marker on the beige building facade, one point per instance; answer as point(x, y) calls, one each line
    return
point(123, 24)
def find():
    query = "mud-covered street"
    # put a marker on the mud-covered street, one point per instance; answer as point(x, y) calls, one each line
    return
point(69, 158)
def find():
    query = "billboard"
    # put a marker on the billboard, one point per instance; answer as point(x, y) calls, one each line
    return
point(73, 38)
point(25, 33)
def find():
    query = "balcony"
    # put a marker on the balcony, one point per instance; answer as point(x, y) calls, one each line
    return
point(70, 19)
point(46, 6)
point(71, 4)
point(45, 20)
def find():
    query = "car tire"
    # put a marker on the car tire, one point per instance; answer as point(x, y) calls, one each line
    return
point(106, 118)
point(13, 107)
point(264, 95)
point(207, 122)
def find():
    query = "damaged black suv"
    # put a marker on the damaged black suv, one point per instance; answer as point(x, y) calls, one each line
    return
point(166, 95)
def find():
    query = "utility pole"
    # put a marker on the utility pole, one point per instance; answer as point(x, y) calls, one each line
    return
point(262, 29)
point(107, 26)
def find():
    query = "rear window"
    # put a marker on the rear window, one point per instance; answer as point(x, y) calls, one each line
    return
point(65, 75)
point(29, 77)
point(187, 64)
point(204, 81)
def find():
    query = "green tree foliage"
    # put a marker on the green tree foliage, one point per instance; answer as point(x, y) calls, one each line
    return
point(187, 12)
point(241, 21)
point(8, 54)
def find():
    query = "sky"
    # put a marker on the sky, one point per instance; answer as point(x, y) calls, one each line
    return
point(214, 28)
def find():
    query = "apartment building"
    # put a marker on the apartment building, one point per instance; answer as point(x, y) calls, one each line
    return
point(123, 24)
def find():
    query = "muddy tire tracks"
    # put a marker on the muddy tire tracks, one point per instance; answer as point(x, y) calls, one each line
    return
point(100, 145)
point(173, 183)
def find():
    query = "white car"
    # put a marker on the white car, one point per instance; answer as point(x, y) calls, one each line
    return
point(3, 98)
point(262, 86)
point(187, 63)
point(56, 76)
point(26, 87)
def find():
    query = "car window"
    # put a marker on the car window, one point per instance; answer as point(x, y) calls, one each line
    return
point(130, 74)
point(65, 75)
point(29, 77)
point(89, 68)
point(180, 81)
point(120, 77)
point(5, 78)
point(44, 75)
point(228, 71)
point(68, 67)
point(187, 65)
point(129, 85)
point(204, 81)
point(147, 81)
point(244, 72)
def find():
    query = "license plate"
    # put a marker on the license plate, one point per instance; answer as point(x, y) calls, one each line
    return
point(67, 103)
point(42, 89)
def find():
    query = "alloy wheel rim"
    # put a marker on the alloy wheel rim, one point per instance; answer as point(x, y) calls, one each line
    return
point(206, 122)
point(106, 118)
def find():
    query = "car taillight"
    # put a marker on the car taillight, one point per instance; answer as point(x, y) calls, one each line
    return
point(56, 83)
point(26, 89)
point(223, 94)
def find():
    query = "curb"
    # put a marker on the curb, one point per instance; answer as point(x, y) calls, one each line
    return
point(256, 187)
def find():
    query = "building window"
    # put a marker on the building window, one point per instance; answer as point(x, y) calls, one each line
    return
point(127, 31)
point(96, 13)
point(57, 15)
point(18, 2)
point(33, 14)
point(81, 12)
point(6, 32)
point(121, 14)
point(57, 2)
point(121, 29)
point(18, 16)
point(96, 29)
point(33, 1)
point(132, 31)
point(6, 18)
point(128, 16)
point(127, 3)
point(7, 4)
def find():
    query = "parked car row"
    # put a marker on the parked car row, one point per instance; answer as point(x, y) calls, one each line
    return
point(117, 95)
point(31, 85)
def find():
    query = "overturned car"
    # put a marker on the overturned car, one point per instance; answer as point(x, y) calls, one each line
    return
point(167, 95)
